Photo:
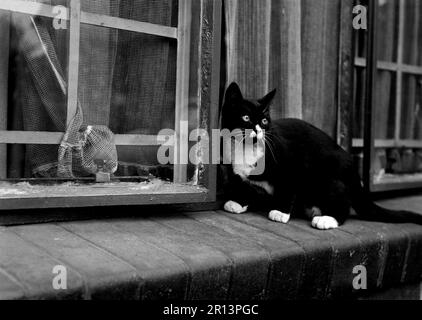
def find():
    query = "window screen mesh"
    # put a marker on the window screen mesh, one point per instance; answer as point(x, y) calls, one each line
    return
point(126, 83)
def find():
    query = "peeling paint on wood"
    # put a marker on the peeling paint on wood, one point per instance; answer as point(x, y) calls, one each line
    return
point(25, 189)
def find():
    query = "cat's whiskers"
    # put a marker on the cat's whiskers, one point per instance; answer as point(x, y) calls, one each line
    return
point(271, 138)
point(270, 134)
point(267, 141)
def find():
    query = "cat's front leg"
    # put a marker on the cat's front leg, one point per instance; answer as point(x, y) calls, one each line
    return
point(319, 220)
point(282, 209)
point(239, 195)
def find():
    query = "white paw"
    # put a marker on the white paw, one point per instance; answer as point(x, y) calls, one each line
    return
point(279, 216)
point(324, 223)
point(234, 207)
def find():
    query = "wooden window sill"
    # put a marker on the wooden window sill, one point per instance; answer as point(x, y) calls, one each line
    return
point(24, 195)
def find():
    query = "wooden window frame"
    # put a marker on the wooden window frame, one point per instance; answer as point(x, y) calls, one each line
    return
point(399, 68)
point(206, 87)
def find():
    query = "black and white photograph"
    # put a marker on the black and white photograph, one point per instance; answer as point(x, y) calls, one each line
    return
point(211, 158)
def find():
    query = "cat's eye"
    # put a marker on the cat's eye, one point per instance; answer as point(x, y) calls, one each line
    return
point(264, 121)
point(246, 118)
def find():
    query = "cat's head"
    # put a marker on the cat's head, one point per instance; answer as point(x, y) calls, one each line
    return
point(246, 114)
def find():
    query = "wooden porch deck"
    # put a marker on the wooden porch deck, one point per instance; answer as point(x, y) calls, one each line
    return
point(207, 255)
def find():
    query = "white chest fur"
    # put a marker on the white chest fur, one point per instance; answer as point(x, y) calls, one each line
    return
point(245, 162)
point(244, 167)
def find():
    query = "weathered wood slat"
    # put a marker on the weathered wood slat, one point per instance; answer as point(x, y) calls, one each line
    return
point(320, 55)
point(181, 151)
point(345, 77)
point(377, 252)
point(287, 257)
point(73, 70)
point(4, 79)
point(210, 269)
point(113, 280)
point(248, 25)
point(285, 58)
point(346, 252)
point(317, 253)
point(30, 268)
point(246, 257)
point(263, 40)
point(164, 275)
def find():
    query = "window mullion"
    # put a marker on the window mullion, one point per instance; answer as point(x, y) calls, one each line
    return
point(73, 70)
point(4, 67)
point(399, 78)
point(182, 91)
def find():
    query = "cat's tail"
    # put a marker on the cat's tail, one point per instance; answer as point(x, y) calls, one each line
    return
point(366, 209)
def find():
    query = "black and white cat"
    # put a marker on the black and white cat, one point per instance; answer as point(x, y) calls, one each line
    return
point(306, 172)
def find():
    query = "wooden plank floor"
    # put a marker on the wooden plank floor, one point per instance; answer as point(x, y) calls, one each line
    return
point(412, 203)
point(206, 255)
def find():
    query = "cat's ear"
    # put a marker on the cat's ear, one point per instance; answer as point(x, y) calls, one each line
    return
point(265, 101)
point(233, 94)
